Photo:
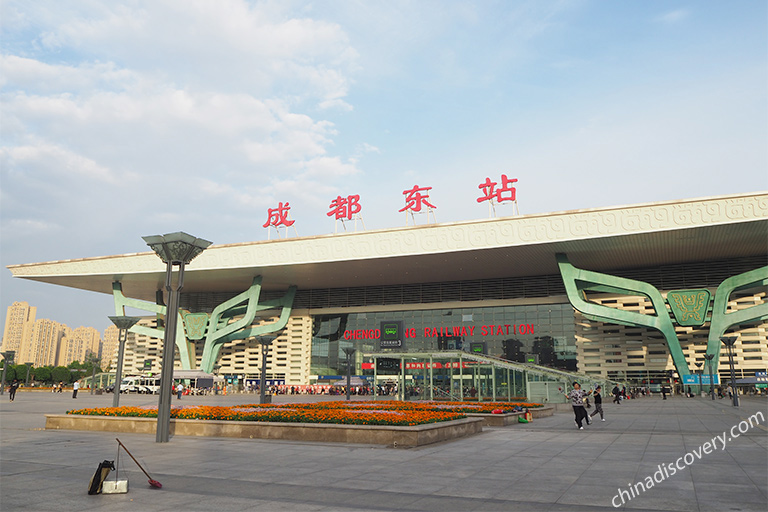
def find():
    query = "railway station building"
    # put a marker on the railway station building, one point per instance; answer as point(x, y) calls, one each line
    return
point(509, 306)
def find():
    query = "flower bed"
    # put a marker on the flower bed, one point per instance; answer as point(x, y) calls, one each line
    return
point(436, 406)
point(390, 413)
point(280, 414)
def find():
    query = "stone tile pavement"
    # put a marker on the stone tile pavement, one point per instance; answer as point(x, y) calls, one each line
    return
point(547, 465)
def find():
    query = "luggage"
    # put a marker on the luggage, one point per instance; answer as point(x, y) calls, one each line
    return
point(101, 474)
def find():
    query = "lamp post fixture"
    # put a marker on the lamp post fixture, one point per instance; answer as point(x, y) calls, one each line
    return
point(729, 342)
point(8, 356)
point(709, 358)
point(175, 249)
point(123, 323)
point(29, 367)
point(349, 352)
point(264, 341)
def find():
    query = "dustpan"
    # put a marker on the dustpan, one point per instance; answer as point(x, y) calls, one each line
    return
point(115, 486)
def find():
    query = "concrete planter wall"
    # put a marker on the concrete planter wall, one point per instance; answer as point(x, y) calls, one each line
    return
point(400, 437)
point(510, 418)
point(542, 412)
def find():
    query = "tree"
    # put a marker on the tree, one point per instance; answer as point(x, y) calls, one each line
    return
point(21, 372)
point(61, 374)
point(10, 373)
point(90, 361)
point(42, 374)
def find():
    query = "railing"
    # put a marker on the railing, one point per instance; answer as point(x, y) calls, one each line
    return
point(443, 394)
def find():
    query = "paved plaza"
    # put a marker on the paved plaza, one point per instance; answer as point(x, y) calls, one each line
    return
point(542, 466)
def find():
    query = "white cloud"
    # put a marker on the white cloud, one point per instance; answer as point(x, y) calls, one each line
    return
point(55, 159)
point(230, 45)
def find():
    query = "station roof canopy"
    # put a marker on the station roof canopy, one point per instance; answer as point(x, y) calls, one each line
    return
point(601, 239)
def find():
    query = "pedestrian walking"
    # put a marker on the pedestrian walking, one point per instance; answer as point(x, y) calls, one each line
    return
point(576, 396)
point(616, 395)
point(179, 390)
point(598, 403)
point(61, 386)
point(12, 389)
point(75, 387)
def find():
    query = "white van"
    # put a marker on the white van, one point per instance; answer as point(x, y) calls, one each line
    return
point(140, 384)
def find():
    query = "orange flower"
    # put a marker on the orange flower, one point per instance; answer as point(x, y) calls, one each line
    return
point(349, 413)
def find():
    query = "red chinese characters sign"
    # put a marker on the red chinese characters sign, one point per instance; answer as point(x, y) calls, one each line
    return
point(279, 216)
point(504, 193)
point(415, 198)
point(345, 207)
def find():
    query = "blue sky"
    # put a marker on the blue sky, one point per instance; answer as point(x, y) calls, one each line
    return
point(236, 105)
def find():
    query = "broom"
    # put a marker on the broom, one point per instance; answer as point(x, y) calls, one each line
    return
point(152, 482)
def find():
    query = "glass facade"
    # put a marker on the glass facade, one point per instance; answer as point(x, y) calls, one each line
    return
point(544, 333)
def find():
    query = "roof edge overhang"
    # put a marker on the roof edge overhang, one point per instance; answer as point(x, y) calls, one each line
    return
point(516, 235)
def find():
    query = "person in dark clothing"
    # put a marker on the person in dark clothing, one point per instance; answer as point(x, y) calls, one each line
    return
point(576, 397)
point(12, 389)
point(616, 395)
point(598, 404)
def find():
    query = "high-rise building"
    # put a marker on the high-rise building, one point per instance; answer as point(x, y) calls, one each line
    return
point(288, 361)
point(78, 344)
point(109, 347)
point(43, 346)
point(45, 342)
point(19, 321)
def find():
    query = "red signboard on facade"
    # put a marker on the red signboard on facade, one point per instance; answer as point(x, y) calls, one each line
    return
point(504, 193)
point(345, 207)
point(456, 330)
point(279, 216)
point(415, 198)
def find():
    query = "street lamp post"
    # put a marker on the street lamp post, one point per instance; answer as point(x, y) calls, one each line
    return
point(123, 323)
point(709, 358)
point(701, 386)
point(29, 367)
point(175, 249)
point(264, 341)
point(729, 342)
point(216, 368)
point(8, 356)
point(349, 352)
point(94, 360)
